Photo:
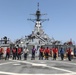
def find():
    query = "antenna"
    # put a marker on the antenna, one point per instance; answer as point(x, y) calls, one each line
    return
point(38, 16)
point(38, 5)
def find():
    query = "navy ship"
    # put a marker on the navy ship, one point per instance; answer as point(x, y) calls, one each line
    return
point(38, 37)
point(4, 43)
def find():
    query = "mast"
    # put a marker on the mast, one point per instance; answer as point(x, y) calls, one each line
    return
point(38, 21)
point(38, 15)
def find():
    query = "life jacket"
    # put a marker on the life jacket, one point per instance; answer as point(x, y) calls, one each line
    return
point(8, 50)
point(69, 51)
point(55, 50)
point(47, 50)
point(41, 50)
point(0, 50)
point(19, 50)
point(14, 50)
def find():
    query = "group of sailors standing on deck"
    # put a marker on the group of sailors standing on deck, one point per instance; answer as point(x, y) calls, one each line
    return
point(15, 53)
point(54, 52)
point(44, 53)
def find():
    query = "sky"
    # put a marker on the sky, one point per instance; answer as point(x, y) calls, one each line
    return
point(61, 13)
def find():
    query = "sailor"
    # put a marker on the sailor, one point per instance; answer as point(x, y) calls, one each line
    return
point(55, 51)
point(14, 53)
point(7, 53)
point(33, 53)
point(41, 52)
point(2, 50)
point(62, 53)
point(69, 53)
point(75, 51)
point(0, 53)
point(47, 53)
point(19, 53)
point(25, 53)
